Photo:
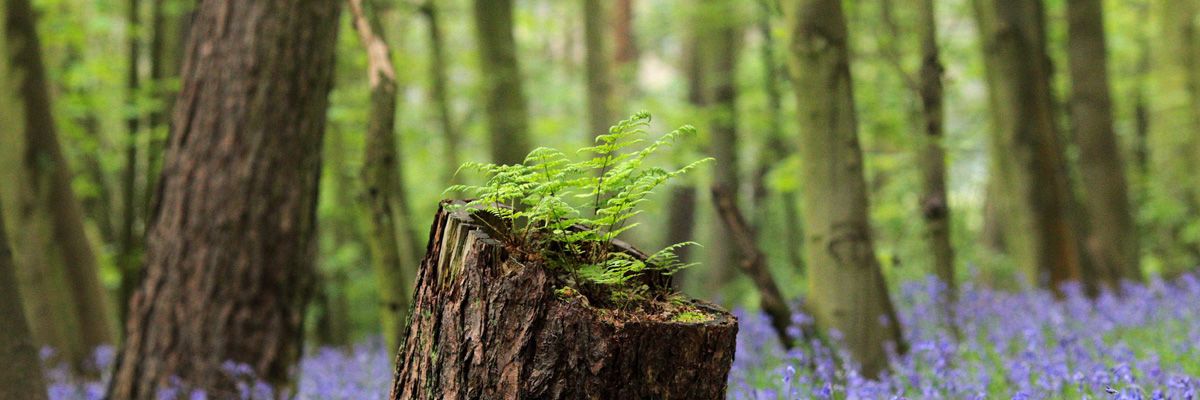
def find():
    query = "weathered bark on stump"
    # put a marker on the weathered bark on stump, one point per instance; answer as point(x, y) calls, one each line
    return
point(486, 327)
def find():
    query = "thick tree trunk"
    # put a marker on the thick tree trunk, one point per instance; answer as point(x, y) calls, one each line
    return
point(46, 174)
point(507, 111)
point(1040, 232)
point(229, 260)
point(486, 327)
point(599, 75)
point(439, 90)
point(1106, 194)
point(847, 291)
point(20, 377)
point(392, 242)
point(935, 204)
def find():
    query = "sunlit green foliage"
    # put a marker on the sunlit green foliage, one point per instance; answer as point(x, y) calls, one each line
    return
point(568, 211)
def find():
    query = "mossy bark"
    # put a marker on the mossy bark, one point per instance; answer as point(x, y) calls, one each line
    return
point(50, 203)
point(392, 242)
point(484, 326)
point(847, 292)
point(20, 378)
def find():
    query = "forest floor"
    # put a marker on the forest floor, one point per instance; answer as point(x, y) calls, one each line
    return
point(1145, 344)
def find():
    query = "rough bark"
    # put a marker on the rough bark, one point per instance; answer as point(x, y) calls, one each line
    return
point(439, 90)
point(229, 259)
point(486, 327)
point(846, 290)
point(1040, 232)
point(597, 68)
point(20, 377)
point(1106, 193)
point(46, 174)
point(392, 242)
point(507, 111)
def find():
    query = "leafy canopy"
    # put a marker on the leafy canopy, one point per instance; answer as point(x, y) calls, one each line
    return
point(568, 211)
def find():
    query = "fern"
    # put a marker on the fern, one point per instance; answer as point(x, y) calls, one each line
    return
point(569, 211)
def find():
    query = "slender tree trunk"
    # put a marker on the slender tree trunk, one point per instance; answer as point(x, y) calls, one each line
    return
point(20, 377)
point(507, 111)
point(846, 290)
point(127, 252)
point(170, 33)
point(681, 220)
point(599, 74)
point(719, 57)
point(1106, 193)
point(393, 247)
point(46, 174)
point(1040, 233)
point(229, 260)
point(441, 97)
point(625, 52)
point(935, 204)
point(774, 148)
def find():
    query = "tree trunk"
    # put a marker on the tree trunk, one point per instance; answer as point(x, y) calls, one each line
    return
point(46, 174)
point(393, 245)
point(625, 53)
point(1106, 194)
point(935, 204)
point(599, 75)
point(484, 327)
point(846, 290)
point(441, 96)
point(229, 258)
point(170, 34)
point(128, 257)
point(720, 42)
point(20, 377)
point(1039, 230)
point(774, 148)
point(507, 112)
point(771, 299)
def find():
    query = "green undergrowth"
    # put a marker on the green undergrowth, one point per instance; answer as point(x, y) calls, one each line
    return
point(563, 211)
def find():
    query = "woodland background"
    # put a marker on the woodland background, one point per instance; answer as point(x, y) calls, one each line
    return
point(112, 73)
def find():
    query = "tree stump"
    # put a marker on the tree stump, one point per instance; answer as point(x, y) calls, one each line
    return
point(485, 326)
